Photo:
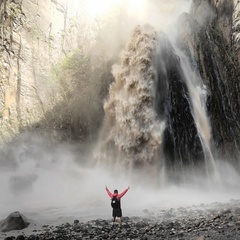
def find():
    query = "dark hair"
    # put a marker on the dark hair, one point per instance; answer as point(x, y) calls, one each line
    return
point(115, 191)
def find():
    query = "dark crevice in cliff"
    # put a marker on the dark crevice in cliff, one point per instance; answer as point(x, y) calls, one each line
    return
point(220, 71)
point(3, 12)
point(210, 46)
point(37, 92)
point(223, 103)
point(64, 29)
point(182, 146)
point(19, 85)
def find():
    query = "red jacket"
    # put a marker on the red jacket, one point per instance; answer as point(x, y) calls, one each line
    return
point(111, 195)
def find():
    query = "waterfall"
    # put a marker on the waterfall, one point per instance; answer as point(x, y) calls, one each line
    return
point(155, 114)
point(197, 92)
point(181, 100)
point(155, 132)
point(132, 130)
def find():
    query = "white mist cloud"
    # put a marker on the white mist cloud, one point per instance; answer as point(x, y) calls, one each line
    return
point(41, 177)
point(54, 182)
point(118, 19)
point(155, 12)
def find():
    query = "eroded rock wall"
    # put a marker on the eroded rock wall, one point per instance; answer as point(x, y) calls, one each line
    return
point(228, 16)
point(236, 27)
point(212, 43)
point(35, 35)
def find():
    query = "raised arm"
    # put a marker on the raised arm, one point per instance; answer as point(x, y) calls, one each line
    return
point(123, 193)
point(108, 192)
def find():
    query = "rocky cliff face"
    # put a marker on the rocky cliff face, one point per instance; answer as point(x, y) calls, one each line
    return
point(43, 44)
point(33, 39)
point(51, 85)
point(212, 39)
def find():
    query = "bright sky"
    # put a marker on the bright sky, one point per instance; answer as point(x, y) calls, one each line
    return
point(137, 8)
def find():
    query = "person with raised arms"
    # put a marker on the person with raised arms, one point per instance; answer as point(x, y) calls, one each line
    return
point(116, 204)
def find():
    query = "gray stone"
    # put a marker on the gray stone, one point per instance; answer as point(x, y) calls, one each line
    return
point(15, 221)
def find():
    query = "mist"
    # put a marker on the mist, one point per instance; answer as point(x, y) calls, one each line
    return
point(116, 20)
point(55, 182)
point(48, 181)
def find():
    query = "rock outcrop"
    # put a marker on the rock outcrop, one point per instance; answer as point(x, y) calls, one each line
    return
point(45, 68)
point(51, 85)
point(15, 221)
point(211, 40)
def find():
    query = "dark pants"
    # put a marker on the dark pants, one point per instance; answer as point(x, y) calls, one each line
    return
point(117, 212)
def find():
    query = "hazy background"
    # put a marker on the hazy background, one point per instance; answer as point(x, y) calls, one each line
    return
point(49, 181)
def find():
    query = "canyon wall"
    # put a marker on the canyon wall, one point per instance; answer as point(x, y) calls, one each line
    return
point(210, 37)
point(45, 69)
point(53, 83)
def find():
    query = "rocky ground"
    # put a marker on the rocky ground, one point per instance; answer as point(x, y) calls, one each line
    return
point(216, 221)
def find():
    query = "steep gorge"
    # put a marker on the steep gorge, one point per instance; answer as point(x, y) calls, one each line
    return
point(53, 85)
point(47, 74)
point(214, 45)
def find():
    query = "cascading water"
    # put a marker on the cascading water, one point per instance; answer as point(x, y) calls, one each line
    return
point(197, 93)
point(132, 130)
point(181, 143)
point(155, 113)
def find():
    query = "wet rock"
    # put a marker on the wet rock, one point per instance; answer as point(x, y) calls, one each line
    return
point(15, 221)
point(20, 237)
point(76, 221)
point(213, 222)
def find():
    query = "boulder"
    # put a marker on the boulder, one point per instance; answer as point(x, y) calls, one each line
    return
point(15, 221)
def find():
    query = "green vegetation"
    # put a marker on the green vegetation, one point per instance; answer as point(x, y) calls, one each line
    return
point(81, 108)
point(77, 62)
point(15, 11)
point(72, 71)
